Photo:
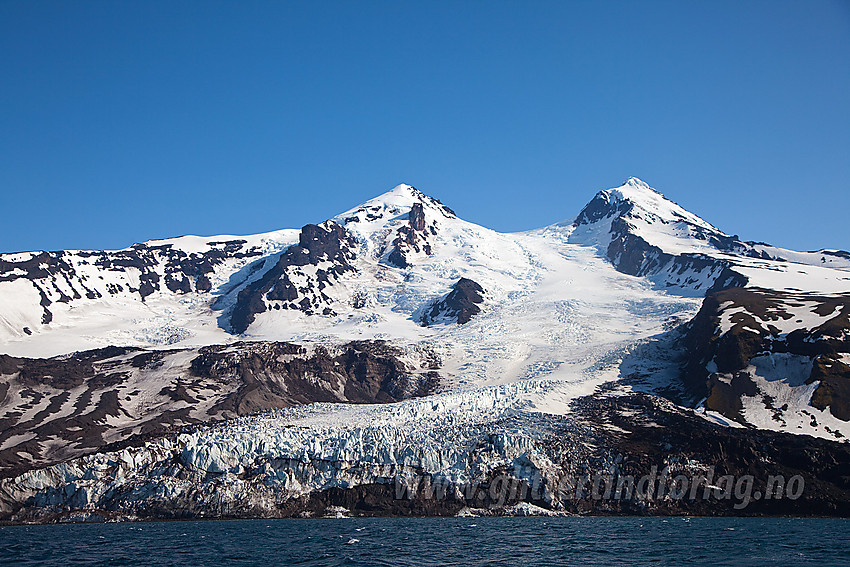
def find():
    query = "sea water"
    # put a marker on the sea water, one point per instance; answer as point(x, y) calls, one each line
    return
point(526, 542)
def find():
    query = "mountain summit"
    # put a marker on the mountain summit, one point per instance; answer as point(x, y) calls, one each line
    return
point(645, 234)
point(639, 201)
point(397, 201)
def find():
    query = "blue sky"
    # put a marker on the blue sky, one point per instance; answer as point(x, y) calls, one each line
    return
point(126, 121)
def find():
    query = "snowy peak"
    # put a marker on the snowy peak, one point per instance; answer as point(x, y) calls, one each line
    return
point(637, 191)
point(332, 268)
point(642, 204)
point(392, 204)
point(398, 227)
point(642, 233)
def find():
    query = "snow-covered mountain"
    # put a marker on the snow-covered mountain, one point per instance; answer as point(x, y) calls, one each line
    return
point(644, 234)
point(400, 303)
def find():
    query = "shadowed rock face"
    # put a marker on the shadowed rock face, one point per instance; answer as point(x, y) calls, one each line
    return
point(327, 242)
point(834, 388)
point(633, 255)
point(601, 207)
point(460, 304)
point(754, 319)
point(412, 238)
point(63, 407)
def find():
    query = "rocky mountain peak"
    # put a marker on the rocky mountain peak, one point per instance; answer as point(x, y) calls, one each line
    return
point(635, 199)
point(643, 233)
point(394, 203)
point(639, 184)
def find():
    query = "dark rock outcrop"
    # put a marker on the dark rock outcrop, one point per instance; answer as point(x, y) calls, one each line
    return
point(600, 207)
point(327, 242)
point(274, 375)
point(754, 315)
point(113, 397)
point(460, 304)
point(633, 255)
point(411, 238)
point(417, 217)
point(833, 392)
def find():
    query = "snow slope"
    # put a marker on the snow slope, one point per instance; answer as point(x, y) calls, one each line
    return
point(94, 298)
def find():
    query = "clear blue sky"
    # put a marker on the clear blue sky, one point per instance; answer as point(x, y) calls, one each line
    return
point(126, 121)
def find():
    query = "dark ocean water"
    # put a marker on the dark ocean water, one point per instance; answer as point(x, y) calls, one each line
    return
point(436, 541)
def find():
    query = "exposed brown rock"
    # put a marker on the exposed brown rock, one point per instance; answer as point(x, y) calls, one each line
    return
point(460, 303)
point(753, 333)
point(85, 390)
point(328, 242)
point(412, 237)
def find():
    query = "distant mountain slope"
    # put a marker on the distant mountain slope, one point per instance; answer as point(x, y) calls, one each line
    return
point(154, 293)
